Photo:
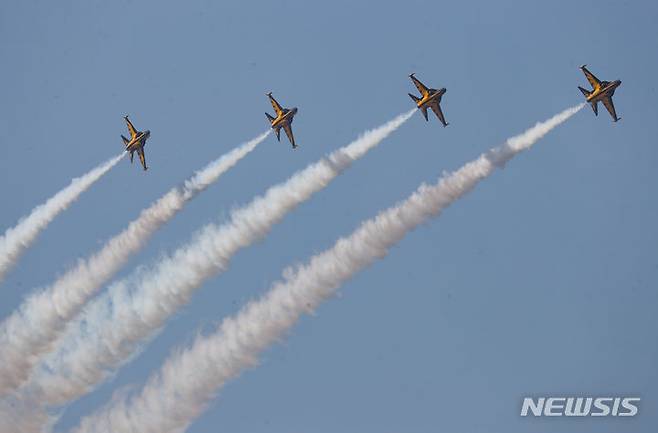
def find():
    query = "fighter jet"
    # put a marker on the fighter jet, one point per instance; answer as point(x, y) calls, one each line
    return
point(429, 98)
point(283, 120)
point(601, 91)
point(137, 142)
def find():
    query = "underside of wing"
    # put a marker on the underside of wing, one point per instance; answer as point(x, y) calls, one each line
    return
point(595, 82)
point(607, 102)
point(142, 158)
point(277, 107)
point(437, 110)
point(288, 130)
point(420, 86)
point(131, 128)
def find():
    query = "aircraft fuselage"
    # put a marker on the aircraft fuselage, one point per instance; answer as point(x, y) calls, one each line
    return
point(285, 117)
point(607, 90)
point(433, 95)
point(138, 142)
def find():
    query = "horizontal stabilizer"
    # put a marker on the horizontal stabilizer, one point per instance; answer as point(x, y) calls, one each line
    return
point(125, 140)
point(415, 98)
point(423, 110)
point(270, 118)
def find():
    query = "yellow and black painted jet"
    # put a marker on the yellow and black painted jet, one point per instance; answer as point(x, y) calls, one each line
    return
point(430, 98)
point(283, 120)
point(137, 142)
point(602, 91)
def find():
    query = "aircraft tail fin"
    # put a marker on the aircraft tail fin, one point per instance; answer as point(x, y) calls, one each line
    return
point(270, 118)
point(585, 92)
point(415, 98)
point(125, 140)
point(595, 108)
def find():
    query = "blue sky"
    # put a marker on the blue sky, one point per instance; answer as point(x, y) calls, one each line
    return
point(542, 281)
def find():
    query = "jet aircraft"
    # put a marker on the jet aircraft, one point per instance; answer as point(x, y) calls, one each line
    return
point(602, 91)
point(283, 120)
point(430, 98)
point(137, 142)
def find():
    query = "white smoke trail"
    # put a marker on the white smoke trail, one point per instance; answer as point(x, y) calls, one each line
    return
point(19, 238)
point(179, 392)
point(20, 416)
point(132, 310)
point(42, 318)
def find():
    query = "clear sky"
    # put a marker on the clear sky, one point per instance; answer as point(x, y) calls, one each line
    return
point(542, 281)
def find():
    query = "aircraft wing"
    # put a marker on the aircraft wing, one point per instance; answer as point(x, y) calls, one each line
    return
point(142, 158)
point(607, 102)
point(131, 128)
point(420, 86)
point(437, 110)
point(595, 82)
point(277, 107)
point(288, 130)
